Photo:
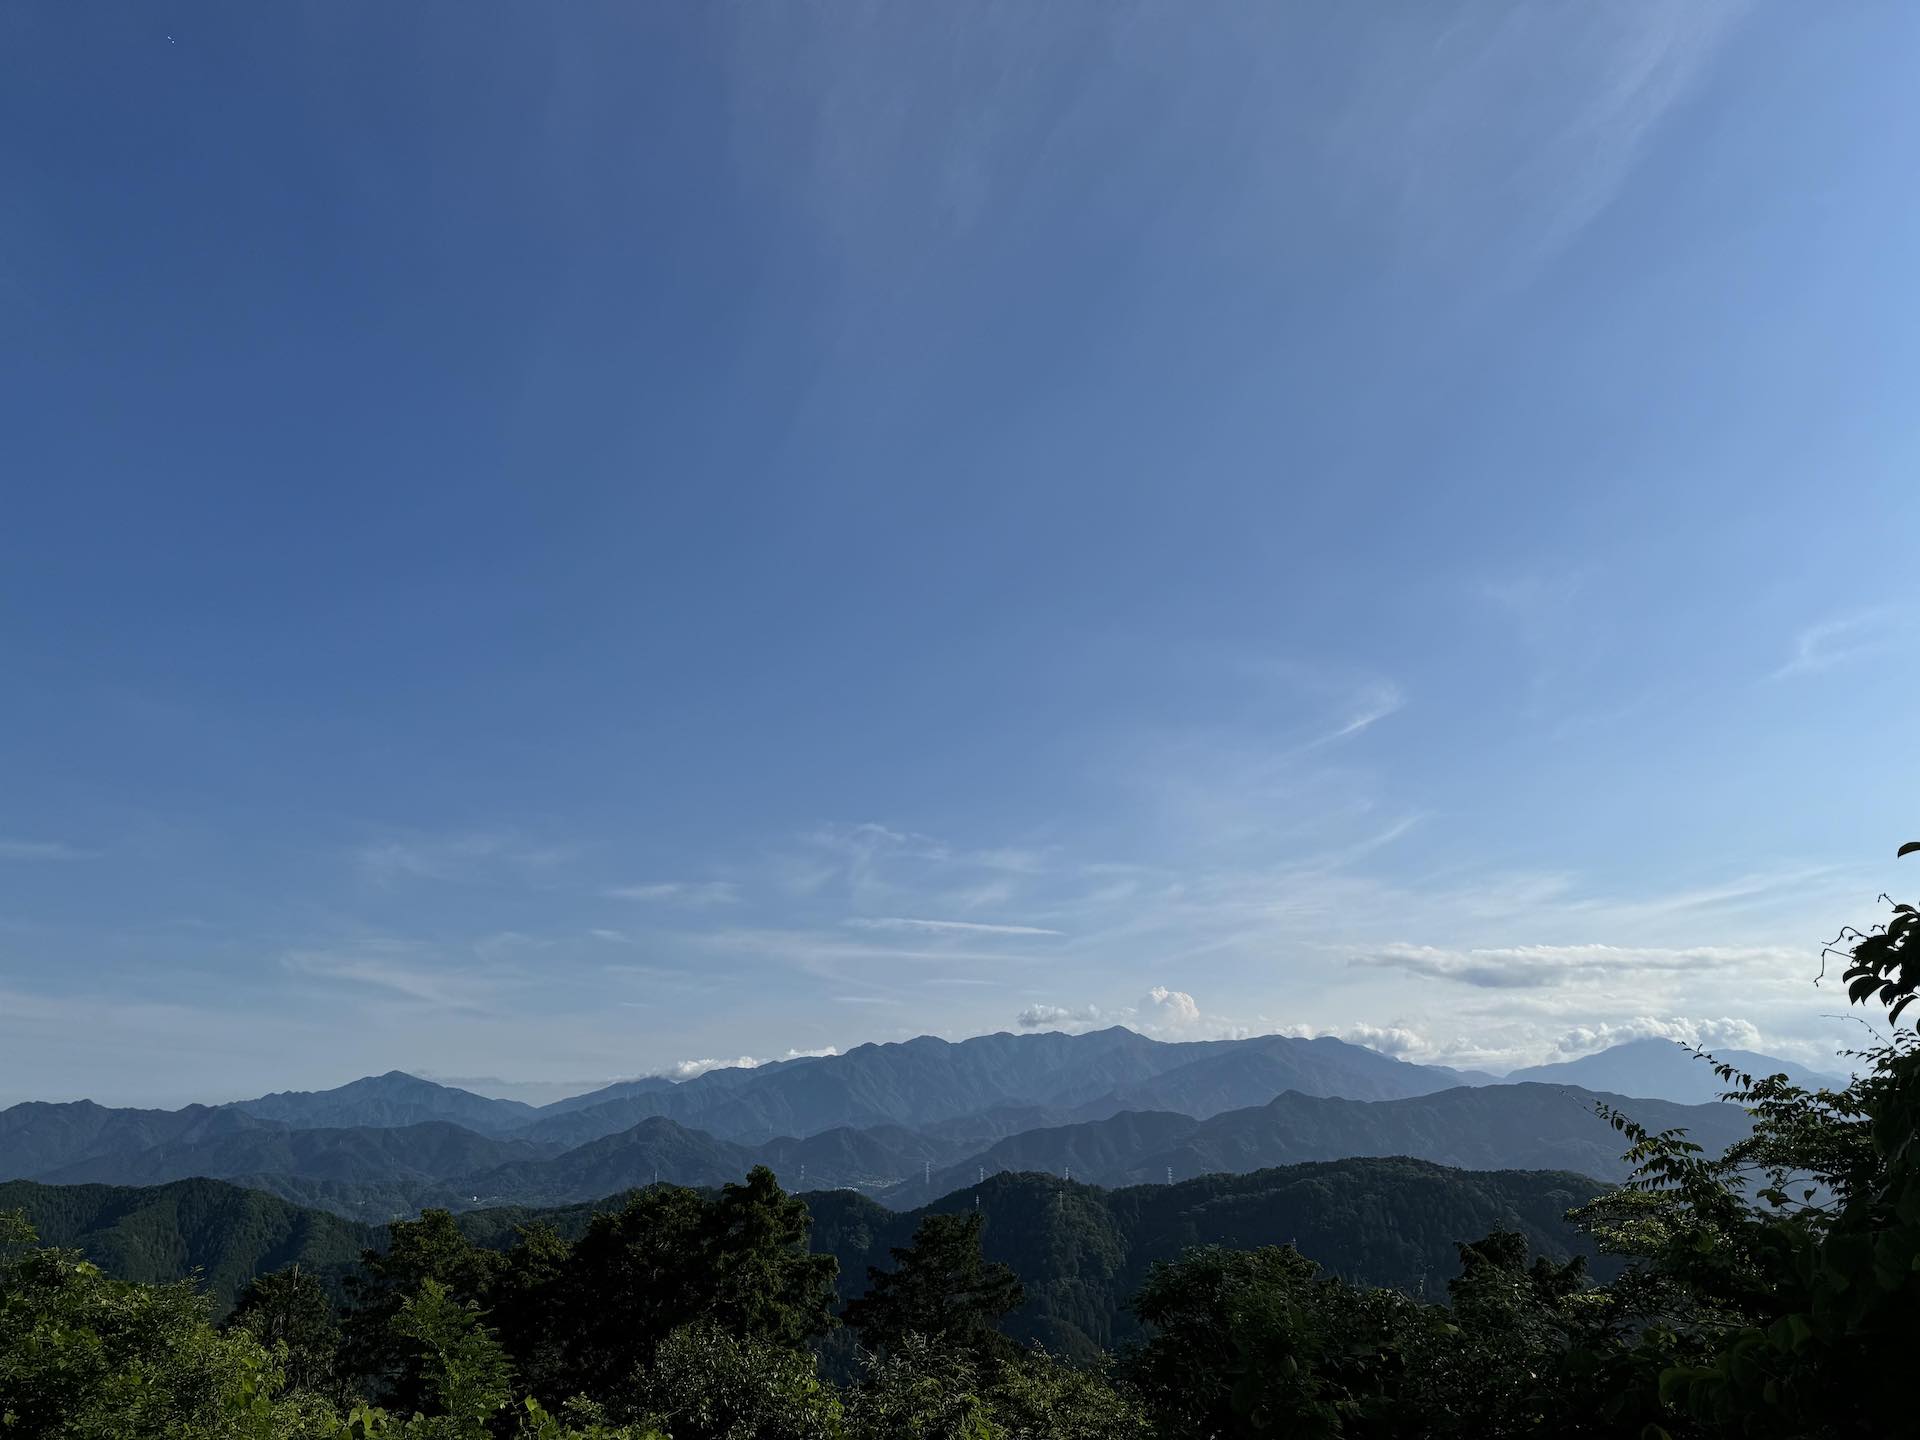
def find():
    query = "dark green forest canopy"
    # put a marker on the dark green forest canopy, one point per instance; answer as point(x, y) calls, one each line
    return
point(1080, 1251)
point(156, 1234)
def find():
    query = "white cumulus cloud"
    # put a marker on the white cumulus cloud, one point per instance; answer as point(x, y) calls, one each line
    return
point(1725, 1032)
point(1162, 1013)
point(687, 1069)
point(1163, 1007)
point(1395, 1040)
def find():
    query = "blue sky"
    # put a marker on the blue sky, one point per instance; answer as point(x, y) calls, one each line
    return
point(555, 545)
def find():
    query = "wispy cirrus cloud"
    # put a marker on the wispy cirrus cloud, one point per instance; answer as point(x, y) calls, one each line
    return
point(1754, 890)
point(833, 954)
point(941, 927)
point(870, 840)
point(1842, 640)
point(1058, 1017)
point(696, 894)
point(1374, 703)
point(1520, 967)
point(1488, 137)
point(22, 1010)
point(135, 1028)
point(463, 857)
point(13, 848)
point(1458, 143)
point(407, 970)
point(880, 869)
point(475, 974)
point(1322, 894)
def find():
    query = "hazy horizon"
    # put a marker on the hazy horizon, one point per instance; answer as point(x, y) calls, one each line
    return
point(545, 1092)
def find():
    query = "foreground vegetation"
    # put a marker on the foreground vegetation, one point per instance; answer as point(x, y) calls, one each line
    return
point(1081, 1252)
point(1766, 1293)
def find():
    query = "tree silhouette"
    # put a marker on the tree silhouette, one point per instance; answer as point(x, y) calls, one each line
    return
point(942, 1288)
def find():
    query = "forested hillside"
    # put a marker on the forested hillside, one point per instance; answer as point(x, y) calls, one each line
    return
point(220, 1233)
point(1079, 1250)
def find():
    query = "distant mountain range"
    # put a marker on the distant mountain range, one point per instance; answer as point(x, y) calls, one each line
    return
point(904, 1123)
point(1495, 1127)
point(1662, 1068)
point(234, 1144)
point(928, 1082)
point(390, 1100)
point(920, 1084)
point(370, 1174)
point(1081, 1251)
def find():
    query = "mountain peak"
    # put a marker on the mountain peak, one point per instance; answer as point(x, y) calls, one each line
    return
point(1659, 1068)
point(385, 1101)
